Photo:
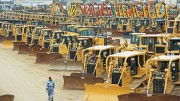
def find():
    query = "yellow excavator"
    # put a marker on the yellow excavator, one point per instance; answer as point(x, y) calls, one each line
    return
point(126, 73)
point(93, 66)
point(163, 74)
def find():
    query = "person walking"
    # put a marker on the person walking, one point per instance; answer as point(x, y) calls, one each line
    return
point(50, 89)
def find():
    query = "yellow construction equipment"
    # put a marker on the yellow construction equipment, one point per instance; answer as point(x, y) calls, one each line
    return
point(154, 44)
point(21, 34)
point(126, 73)
point(134, 42)
point(94, 59)
point(6, 31)
point(71, 46)
point(33, 40)
point(172, 26)
point(94, 67)
point(44, 55)
point(174, 46)
point(45, 40)
point(155, 97)
point(163, 74)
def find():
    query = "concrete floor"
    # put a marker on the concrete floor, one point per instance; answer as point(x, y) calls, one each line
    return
point(27, 81)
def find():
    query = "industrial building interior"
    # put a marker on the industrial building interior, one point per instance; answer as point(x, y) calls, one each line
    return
point(90, 50)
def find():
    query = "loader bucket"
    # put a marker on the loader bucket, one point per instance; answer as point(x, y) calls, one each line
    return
point(34, 49)
point(139, 97)
point(16, 45)
point(104, 92)
point(77, 80)
point(23, 49)
point(7, 44)
point(45, 57)
point(62, 64)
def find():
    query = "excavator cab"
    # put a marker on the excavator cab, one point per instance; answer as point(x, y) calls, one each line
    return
point(163, 74)
point(126, 73)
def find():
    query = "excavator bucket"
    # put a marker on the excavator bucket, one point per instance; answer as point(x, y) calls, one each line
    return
point(23, 49)
point(45, 57)
point(34, 49)
point(77, 80)
point(62, 64)
point(104, 92)
point(139, 97)
point(16, 45)
point(7, 44)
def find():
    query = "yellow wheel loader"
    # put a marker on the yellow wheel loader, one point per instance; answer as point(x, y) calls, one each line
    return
point(163, 74)
point(94, 63)
point(126, 73)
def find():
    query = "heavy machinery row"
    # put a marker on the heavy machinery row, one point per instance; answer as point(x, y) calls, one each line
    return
point(76, 40)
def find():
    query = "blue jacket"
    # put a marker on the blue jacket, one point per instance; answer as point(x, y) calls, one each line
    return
point(50, 85)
